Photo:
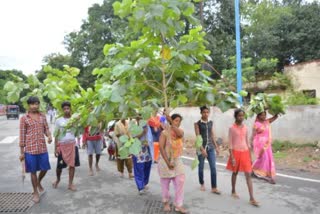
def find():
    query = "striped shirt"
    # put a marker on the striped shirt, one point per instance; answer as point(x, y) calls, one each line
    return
point(32, 134)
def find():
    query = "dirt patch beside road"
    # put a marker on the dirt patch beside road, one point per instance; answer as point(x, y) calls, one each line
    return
point(303, 158)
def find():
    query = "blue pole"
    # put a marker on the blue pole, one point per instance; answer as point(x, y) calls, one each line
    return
point(238, 47)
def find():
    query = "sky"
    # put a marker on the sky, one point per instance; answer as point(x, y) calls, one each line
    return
point(32, 29)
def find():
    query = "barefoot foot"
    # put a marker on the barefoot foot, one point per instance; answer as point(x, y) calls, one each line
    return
point(90, 172)
point(72, 187)
point(167, 207)
point(36, 197)
point(55, 184)
point(180, 210)
point(235, 195)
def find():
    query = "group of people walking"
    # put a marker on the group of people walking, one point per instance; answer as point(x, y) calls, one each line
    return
point(169, 135)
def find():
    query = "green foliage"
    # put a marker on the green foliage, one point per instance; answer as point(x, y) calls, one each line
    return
point(263, 102)
point(285, 31)
point(54, 60)
point(86, 45)
point(10, 75)
point(278, 145)
point(198, 145)
point(248, 71)
point(266, 67)
point(276, 105)
point(299, 98)
point(199, 142)
point(194, 163)
point(282, 80)
point(280, 155)
point(162, 67)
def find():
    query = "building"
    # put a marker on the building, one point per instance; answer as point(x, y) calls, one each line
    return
point(305, 77)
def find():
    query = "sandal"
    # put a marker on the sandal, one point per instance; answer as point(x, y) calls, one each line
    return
point(254, 203)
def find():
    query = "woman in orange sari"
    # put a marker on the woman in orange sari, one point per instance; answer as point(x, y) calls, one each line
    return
point(263, 167)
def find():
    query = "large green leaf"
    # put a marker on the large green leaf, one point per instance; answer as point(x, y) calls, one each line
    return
point(194, 163)
point(9, 86)
point(142, 62)
point(134, 129)
point(135, 148)
point(123, 152)
point(199, 142)
point(124, 138)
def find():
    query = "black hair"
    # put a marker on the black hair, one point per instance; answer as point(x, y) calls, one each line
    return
point(261, 113)
point(174, 116)
point(66, 103)
point(237, 111)
point(202, 108)
point(33, 100)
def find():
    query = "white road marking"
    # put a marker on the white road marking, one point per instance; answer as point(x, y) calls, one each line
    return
point(278, 174)
point(9, 139)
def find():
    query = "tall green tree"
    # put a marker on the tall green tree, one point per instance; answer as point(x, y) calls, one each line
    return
point(10, 75)
point(54, 60)
point(86, 45)
point(285, 30)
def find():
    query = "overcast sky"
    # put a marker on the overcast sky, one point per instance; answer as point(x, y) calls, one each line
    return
point(32, 29)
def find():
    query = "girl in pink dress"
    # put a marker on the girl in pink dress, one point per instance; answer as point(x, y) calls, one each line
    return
point(263, 167)
point(240, 158)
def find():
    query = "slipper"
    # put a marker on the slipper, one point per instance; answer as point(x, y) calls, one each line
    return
point(254, 203)
point(235, 196)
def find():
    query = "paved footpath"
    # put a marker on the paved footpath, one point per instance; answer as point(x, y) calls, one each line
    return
point(107, 193)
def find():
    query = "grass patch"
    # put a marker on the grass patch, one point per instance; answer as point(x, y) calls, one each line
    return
point(280, 155)
point(278, 145)
point(307, 159)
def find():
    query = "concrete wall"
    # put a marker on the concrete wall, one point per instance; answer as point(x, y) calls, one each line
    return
point(299, 125)
point(305, 76)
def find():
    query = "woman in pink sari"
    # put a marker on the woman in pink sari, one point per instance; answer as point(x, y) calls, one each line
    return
point(263, 167)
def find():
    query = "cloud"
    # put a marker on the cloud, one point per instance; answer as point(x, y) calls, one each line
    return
point(33, 29)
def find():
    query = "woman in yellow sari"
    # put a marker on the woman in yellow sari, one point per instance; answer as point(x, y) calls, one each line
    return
point(170, 165)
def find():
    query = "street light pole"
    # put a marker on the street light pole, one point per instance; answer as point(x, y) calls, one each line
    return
point(238, 47)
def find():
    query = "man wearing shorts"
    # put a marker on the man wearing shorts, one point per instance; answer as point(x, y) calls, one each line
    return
point(33, 148)
point(66, 149)
point(92, 139)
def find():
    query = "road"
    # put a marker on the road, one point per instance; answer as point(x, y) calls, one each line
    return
point(107, 193)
